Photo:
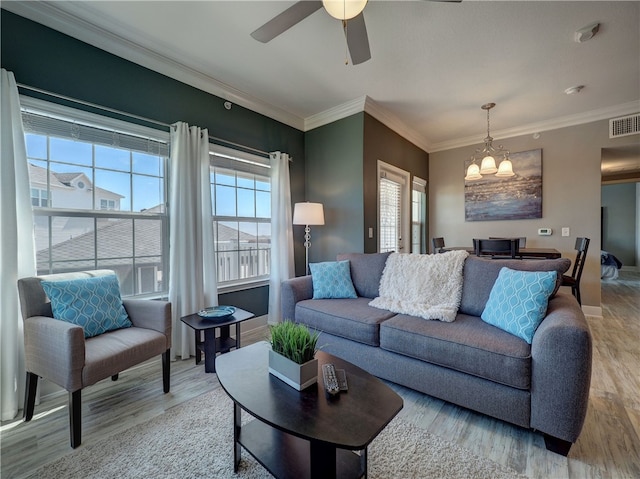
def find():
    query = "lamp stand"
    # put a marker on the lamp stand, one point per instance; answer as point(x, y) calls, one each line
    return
point(307, 245)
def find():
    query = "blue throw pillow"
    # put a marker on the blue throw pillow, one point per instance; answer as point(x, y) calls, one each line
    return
point(332, 280)
point(93, 303)
point(518, 301)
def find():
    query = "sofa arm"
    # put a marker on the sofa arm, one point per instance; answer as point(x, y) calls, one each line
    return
point(150, 314)
point(294, 290)
point(561, 370)
point(55, 350)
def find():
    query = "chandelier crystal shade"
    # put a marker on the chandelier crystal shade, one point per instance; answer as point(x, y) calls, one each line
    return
point(488, 155)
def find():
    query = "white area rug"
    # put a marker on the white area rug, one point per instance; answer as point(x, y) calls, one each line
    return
point(194, 440)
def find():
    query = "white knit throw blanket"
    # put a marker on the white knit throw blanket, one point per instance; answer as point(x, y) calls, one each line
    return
point(424, 285)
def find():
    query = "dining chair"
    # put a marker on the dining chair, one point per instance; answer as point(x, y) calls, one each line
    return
point(522, 240)
point(573, 281)
point(496, 248)
point(438, 244)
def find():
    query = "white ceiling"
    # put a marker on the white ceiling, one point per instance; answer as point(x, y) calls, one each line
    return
point(433, 64)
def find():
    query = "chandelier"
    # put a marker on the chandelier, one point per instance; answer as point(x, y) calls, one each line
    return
point(487, 157)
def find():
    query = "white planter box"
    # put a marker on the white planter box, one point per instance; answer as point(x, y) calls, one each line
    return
point(298, 376)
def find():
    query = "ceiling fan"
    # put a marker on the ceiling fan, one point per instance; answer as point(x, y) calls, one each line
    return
point(350, 11)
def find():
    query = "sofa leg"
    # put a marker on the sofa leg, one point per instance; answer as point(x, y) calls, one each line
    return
point(559, 446)
point(30, 396)
point(75, 417)
point(166, 362)
point(114, 377)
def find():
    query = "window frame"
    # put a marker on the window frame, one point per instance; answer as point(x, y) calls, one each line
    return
point(240, 162)
point(91, 120)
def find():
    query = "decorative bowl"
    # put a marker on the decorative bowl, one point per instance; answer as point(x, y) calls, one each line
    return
point(217, 312)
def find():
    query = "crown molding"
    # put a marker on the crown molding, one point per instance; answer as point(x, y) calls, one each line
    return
point(52, 16)
point(374, 109)
point(553, 124)
point(335, 113)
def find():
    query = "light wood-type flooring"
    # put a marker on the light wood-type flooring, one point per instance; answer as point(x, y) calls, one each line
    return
point(609, 446)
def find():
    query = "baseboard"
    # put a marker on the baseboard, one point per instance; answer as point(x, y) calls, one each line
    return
point(593, 311)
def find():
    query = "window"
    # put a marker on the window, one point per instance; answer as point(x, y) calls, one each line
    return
point(241, 206)
point(418, 216)
point(39, 197)
point(393, 207)
point(98, 189)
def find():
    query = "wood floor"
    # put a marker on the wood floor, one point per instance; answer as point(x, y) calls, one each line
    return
point(609, 446)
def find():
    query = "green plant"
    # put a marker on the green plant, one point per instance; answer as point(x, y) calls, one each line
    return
point(293, 341)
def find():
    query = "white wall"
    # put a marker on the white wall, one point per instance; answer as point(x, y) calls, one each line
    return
point(571, 183)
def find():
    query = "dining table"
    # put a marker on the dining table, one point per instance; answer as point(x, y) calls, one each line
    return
point(525, 253)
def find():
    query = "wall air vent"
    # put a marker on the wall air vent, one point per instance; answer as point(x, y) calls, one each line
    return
point(625, 125)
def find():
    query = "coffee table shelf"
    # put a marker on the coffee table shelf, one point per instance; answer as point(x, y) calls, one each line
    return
point(304, 434)
point(266, 444)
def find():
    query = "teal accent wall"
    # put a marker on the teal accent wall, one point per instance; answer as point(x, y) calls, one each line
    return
point(44, 58)
point(334, 154)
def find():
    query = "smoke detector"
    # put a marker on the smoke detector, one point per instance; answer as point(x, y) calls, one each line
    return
point(586, 33)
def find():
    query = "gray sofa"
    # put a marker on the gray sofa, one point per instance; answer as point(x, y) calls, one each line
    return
point(543, 385)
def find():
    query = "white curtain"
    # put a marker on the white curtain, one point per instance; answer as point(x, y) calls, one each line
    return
point(282, 266)
point(193, 277)
point(17, 250)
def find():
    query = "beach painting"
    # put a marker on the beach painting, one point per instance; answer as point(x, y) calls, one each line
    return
point(515, 198)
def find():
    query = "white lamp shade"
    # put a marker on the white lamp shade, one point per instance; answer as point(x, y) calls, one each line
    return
point(473, 172)
point(506, 169)
point(488, 165)
point(308, 214)
point(344, 9)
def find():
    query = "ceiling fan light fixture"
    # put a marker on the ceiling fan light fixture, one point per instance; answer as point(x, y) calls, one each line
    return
point(344, 9)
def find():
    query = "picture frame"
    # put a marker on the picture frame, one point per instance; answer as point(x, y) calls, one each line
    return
point(514, 198)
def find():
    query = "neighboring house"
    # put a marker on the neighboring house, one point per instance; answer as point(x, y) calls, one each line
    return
point(69, 190)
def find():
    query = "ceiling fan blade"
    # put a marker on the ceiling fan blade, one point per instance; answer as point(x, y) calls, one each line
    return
point(282, 22)
point(357, 39)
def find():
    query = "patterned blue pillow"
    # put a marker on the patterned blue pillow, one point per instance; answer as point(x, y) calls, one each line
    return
point(332, 280)
point(518, 301)
point(93, 303)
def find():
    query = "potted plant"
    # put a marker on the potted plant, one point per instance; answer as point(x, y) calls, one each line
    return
point(292, 355)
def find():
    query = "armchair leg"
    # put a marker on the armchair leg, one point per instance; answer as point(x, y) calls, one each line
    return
point(114, 377)
point(30, 396)
point(166, 362)
point(75, 417)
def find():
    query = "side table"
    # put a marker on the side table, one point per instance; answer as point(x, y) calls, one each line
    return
point(213, 345)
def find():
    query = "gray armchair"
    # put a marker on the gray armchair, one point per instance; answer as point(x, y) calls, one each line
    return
point(58, 351)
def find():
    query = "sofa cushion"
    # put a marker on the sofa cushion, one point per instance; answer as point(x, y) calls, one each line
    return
point(332, 279)
point(518, 301)
point(93, 303)
point(349, 318)
point(480, 274)
point(468, 345)
point(366, 271)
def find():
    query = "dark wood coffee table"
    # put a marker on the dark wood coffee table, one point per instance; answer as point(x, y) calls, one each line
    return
point(213, 345)
point(304, 434)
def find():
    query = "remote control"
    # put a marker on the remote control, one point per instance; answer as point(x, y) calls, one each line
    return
point(341, 376)
point(330, 379)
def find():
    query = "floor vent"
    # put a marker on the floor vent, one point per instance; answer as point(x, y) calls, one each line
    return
point(625, 125)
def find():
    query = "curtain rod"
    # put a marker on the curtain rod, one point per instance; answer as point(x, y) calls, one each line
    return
point(214, 139)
